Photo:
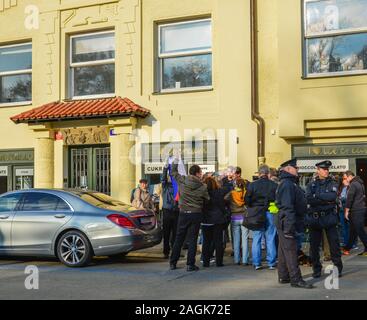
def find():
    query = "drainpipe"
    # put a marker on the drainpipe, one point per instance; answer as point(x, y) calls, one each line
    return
point(255, 114)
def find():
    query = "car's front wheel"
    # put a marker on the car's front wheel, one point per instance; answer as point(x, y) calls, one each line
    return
point(74, 249)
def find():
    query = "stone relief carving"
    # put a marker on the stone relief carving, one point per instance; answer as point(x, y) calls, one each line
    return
point(90, 15)
point(7, 4)
point(81, 136)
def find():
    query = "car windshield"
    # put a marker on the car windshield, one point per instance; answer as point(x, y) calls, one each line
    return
point(104, 201)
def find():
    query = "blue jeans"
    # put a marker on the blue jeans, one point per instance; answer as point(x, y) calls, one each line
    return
point(270, 233)
point(240, 232)
point(344, 227)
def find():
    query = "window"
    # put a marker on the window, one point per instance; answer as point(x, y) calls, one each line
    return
point(16, 74)
point(44, 202)
point(8, 203)
point(335, 37)
point(92, 65)
point(185, 56)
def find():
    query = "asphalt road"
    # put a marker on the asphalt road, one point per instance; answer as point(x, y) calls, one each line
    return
point(145, 276)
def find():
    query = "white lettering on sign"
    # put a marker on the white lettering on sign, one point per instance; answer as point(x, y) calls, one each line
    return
point(309, 166)
point(3, 171)
point(24, 172)
point(153, 168)
point(205, 168)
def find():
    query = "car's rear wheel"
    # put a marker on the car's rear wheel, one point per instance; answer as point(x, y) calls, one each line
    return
point(74, 249)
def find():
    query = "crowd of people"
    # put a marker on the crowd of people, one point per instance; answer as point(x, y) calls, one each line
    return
point(273, 209)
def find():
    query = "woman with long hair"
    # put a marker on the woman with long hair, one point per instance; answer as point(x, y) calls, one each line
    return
point(214, 223)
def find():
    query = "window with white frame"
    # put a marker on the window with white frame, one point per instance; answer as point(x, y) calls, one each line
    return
point(16, 74)
point(335, 37)
point(92, 65)
point(185, 55)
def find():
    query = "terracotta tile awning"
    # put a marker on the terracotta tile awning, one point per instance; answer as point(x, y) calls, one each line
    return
point(79, 109)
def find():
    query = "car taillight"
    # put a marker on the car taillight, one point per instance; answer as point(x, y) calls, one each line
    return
point(121, 221)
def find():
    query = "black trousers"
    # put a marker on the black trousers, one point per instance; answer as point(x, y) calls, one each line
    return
point(315, 243)
point(288, 267)
point(213, 237)
point(170, 221)
point(357, 219)
point(188, 224)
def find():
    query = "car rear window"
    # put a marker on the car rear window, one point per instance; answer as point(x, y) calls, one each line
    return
point(101, 200)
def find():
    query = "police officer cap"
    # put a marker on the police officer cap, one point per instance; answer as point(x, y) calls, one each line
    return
point(324, 164)
point(291, 163)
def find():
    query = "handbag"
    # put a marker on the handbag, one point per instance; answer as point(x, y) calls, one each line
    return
point(255, 218)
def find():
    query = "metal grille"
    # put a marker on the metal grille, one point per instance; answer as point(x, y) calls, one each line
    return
point(79, 162)
point(103, 172)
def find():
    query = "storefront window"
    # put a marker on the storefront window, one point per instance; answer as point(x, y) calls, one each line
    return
point(93, 65)
point(16, 73)
point(185, 55)
point(335, 37)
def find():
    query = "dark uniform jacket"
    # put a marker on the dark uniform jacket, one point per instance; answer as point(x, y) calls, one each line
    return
point(168, 193)
point(291, 201)
point(322, 195)
point(193, 192)
point(356, 197)
point(261, 192)
point(214, 210)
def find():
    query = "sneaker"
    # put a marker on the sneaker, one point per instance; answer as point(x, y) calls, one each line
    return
point(363, 254)
point(258, 268)
point(271, 268)
point(212, 260)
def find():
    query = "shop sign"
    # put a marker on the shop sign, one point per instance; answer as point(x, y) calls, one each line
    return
point(308, 166)
point(3, 171)
point(153, 168)
point(347, 150)
point(205, 168)
point(84, 136)
point(20, 156)
point(24, 172)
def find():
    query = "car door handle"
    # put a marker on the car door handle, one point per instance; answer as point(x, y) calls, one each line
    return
point(59, 216)
point(4, 217)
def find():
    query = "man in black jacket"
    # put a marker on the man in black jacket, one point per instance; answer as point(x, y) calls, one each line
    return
point(291, 201)
point(193, 194)
point(259, 194)
point(322, 195)
point(170, 213)
point(355, 211)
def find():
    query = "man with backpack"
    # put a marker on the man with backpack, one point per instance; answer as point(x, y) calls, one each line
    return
point(259, 195)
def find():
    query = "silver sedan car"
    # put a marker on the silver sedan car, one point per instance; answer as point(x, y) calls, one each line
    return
point(72, 225)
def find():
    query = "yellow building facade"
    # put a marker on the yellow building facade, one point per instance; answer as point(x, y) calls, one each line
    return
point(187, 62)
point(197, 69)
point(312, 71)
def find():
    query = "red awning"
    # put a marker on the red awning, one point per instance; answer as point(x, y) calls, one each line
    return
point(77, 109)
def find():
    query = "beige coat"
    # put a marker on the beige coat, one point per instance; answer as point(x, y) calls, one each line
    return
point(142, 199)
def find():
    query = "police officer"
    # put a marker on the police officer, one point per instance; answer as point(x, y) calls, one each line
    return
point(322, 215)
point(291, 202)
